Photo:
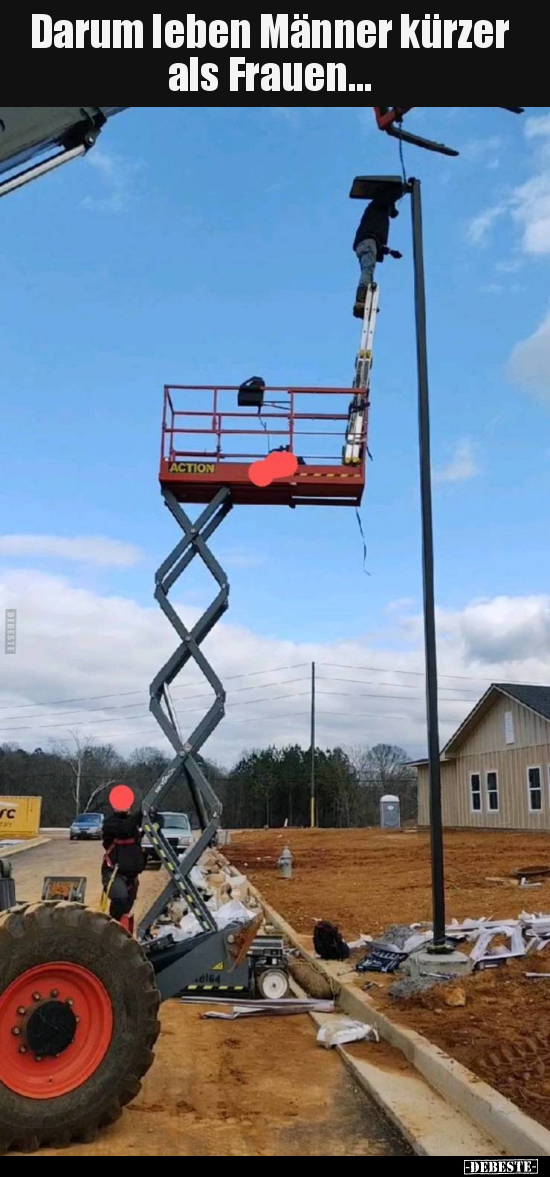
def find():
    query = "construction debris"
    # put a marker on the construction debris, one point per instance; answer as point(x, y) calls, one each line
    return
point(356, 945)
point(310, 978)
point(484, 949)
point(382, 959)
point(494, 943)
point(412, 986)
point(287, 1007)
point(344, 1031)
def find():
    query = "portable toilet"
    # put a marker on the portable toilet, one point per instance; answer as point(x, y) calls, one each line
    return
point(390, 812)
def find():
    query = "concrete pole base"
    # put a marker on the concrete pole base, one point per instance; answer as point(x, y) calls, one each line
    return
point(453, 964)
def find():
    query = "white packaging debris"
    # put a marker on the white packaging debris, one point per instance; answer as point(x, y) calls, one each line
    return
point(185, 930)
point(343, 1031)
point(270, 1009)
point(360, 943)
point(417, 941)
point(482, 950)
point(198, 877)
point(234, 912)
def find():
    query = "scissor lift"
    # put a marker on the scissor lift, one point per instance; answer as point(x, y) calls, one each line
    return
point(209, 446)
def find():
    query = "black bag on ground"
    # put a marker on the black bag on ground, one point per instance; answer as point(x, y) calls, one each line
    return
point(328, 942)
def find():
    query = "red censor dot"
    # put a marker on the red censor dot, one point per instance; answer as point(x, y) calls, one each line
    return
point(122, 798)
point(279, 465)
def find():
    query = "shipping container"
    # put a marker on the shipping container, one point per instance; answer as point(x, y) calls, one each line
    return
point(19, 817)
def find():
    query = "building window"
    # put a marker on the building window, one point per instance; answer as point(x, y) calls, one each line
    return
point(535, 790)
point(475, 781)
point(492, 792)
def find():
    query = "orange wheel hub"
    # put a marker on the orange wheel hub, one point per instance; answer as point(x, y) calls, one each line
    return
point(56, 1024)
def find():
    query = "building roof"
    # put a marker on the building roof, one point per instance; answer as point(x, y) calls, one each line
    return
point(535, 698)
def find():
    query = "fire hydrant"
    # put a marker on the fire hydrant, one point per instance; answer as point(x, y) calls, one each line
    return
point(285, 863)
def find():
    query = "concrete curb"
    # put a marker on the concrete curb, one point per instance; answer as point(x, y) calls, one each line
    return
point(424, 1118)
point(493, 1114)
point(11, 850)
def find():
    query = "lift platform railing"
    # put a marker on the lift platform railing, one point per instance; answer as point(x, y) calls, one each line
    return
point(211, 441)
point(215, 429)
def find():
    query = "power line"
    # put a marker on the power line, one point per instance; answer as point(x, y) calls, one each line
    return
point(146, 714)
point(128, 706)
point(404, 686)
point(372, 695)
point(192, 710)
point(237, 690)
point(87, 722)
point(252, 674)
point(419, 673)
point(416, 673)
point(126, 694)
point(7, 730)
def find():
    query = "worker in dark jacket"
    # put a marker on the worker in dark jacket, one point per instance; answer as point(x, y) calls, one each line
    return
point(371, 245)
point(124, 860)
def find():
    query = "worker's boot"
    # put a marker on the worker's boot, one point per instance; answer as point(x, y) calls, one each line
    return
point(360, 299)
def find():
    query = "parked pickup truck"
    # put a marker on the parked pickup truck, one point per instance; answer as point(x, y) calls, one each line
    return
point(176, 828)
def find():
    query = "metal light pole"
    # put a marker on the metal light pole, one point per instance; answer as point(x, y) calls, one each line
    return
point(313, 816)
point(436, 823)
point(392, 188)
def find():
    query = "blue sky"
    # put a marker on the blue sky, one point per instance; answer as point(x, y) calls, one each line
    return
point(204, 245)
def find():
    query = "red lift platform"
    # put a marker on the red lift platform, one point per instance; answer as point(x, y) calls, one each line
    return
point(210, 443)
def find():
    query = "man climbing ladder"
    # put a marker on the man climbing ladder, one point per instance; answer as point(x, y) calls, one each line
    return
point(371, 245)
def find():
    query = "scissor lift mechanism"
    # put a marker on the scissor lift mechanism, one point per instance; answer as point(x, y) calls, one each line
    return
point(218, 960)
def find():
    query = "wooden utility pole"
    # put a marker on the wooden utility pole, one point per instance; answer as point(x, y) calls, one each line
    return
point(313, 781)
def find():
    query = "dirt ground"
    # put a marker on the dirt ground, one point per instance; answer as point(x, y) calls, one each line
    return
point(253, 1088)
point(247, 1089)
point(365, 880)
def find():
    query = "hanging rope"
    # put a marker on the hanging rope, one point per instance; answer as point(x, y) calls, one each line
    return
point(365, 552)
point(402, 159)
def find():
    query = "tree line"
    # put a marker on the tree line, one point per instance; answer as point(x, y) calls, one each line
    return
point(267, 787)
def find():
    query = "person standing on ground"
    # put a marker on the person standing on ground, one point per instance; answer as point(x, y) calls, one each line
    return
point(371, 245)
point(124, 860)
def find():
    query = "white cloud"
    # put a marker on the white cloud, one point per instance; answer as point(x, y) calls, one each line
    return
point(528, 205)
point(507, 629)
point(480, 226)
point(401, 605)
point(509, 266)
point(538, 126)
point(463, 464)
point(240, 558)
point(74, 645)
point(485, 151)
point(86, 549)
point(530, 361)
point(117, 176)
point(491, 288)
point(531, 211)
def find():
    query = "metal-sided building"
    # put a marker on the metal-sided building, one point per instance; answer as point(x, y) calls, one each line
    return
point(495, 770)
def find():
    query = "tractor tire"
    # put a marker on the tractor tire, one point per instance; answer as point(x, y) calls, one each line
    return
point(78, 1024)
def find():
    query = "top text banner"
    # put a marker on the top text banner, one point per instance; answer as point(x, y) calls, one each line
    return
point(192, 58)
